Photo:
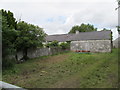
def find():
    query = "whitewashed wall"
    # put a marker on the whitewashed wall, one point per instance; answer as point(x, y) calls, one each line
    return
point(92, 45)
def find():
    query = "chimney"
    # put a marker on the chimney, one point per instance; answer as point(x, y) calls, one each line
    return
point(77, 32)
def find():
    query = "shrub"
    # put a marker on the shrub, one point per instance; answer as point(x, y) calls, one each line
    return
point(52, 44)
point(64, 45)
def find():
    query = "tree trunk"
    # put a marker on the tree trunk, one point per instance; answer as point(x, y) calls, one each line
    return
point(25, 57)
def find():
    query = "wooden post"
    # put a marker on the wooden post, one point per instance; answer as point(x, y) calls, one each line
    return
point(118, 8)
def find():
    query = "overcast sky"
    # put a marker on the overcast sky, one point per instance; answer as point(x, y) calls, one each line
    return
point(58, 16)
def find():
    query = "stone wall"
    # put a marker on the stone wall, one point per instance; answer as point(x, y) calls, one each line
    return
point(92, 45)
point(116, 43)
point(33, 53)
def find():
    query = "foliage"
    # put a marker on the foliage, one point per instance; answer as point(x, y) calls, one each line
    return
point(47, 45)
point(52, 44)
point(65, 45)
point(9, 35)
point(118, 27)
point(8, 63)
point(11, 21)
point(104, 29)
point(18, 36)
point(83, 28)
point(29, 36)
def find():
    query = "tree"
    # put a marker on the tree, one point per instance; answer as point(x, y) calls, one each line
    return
point(30, 36)
point(9, 35)
point(17, 36)
point(83, 28)
point(104, 29)
point(11, 21)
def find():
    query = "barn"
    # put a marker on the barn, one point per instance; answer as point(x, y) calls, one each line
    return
point(96, 41)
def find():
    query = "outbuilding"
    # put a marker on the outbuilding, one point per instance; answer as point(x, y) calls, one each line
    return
point(96, 41)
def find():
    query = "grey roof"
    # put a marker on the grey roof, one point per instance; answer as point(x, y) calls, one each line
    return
point(59, 37)
point(95, 35)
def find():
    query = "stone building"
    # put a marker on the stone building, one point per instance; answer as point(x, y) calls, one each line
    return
point(116, 43)
point(96, 41)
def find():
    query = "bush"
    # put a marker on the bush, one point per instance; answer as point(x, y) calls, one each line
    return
point(64, 45)
point(52, 44)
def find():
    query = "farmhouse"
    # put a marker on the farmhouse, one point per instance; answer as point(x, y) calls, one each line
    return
point(96, 41)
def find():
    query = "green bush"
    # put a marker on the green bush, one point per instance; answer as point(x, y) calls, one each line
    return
point(52, 44)
point(64, 45)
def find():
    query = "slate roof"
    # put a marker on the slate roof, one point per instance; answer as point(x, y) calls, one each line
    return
point(95, 35)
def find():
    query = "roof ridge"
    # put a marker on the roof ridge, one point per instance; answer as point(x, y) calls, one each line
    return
point(79, 33)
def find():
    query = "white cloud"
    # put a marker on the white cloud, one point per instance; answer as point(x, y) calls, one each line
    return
point(100, 13)
point(115, 33)
point(64, 1)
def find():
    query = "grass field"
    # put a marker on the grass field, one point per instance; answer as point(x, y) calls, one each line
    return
point(67, 70)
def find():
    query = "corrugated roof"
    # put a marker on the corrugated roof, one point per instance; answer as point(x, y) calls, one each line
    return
point(95, 35)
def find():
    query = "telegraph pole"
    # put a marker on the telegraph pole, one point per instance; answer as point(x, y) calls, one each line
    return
point(118, 16)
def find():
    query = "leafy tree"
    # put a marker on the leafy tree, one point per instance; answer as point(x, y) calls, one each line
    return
point(17, 36)
point(83, 28)
point(29, 36)
point(52, 44)
point(47, 45)
point(11, 21)
point(104, 29)
point(9, 35)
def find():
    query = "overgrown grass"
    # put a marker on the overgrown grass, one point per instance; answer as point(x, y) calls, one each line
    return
point(67, 70)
